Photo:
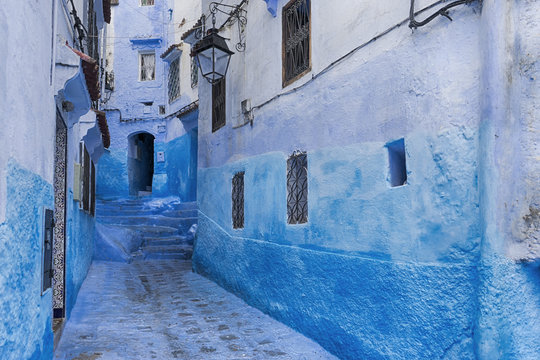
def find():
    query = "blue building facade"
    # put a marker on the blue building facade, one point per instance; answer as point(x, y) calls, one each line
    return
point(155, 103)
point(52, 140)
point(402, 248)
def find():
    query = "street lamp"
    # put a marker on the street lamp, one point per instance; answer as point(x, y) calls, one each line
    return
point(213, 55)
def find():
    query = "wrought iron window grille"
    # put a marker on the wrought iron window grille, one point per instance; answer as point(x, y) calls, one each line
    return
point(194, 72)
point(218, 105)
point(109, 80)
point(174, 80)
point(238, 200)
point(297, 188)
point(296, 22)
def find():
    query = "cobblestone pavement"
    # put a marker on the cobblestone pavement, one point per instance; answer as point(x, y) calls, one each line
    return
point(162, 310)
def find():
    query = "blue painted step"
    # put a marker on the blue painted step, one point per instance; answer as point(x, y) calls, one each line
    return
point(166, 227)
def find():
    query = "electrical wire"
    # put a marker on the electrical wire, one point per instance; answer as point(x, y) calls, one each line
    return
point(347, 55)
point(413, 24)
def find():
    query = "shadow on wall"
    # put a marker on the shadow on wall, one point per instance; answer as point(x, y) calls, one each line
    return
point(140, 162)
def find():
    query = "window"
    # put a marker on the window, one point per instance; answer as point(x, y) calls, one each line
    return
point(47, 250)
point(147, 66)
point(297, 188)
point(86, 179)
point(174, 80)
point(147, 2)
point(238, 200)
point(397, 162)
point(218, 105)
point(194, 72)
point(296, 29)
point(93, 190)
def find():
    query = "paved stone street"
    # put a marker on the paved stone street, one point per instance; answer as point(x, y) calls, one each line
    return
point(162, 310)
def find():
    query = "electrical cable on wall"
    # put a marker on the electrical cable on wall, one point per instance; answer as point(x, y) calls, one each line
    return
point(413, 24)
point(350, 53)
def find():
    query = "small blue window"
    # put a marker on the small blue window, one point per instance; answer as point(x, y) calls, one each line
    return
point(397, 162)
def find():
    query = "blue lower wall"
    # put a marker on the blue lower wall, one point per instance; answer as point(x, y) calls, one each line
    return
point(377, 271)
point(79, 250)
point(176, 176)
point(112, 174)
point(25, 327)
point(356, 307)
point(509, 309)
point(181, 166)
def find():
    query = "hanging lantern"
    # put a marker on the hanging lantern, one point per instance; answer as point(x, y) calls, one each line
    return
point(213, 56)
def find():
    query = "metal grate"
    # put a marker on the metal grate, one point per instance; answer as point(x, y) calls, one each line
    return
point(174, 80)
point(194, 72)
point(296, 40)
point(238, 200)
point(218, 105)
point(147, 2)
point(109, 80)
point(297, 188)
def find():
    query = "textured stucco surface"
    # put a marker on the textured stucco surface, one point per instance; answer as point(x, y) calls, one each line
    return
point(181, 166)
point(79, 250)
point(508, 324)
point(463, 95)
point(357, 307)
point(25, 328)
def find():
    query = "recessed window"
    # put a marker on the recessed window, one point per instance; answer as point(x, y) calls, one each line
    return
point(297, 188)
point(296, 28)
point(147, 2)
point(147, 66)
point(238, 200)
point(397, 163)
point(218, 105)
point(174, 80)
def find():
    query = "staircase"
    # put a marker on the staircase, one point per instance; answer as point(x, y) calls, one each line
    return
point(147, 228)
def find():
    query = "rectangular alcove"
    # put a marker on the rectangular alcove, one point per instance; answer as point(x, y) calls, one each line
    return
point(397, 163)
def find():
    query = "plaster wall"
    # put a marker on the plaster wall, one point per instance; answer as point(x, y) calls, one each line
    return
point(28, 117)
point(30, 72)
point(508, 294)
point(354, 269)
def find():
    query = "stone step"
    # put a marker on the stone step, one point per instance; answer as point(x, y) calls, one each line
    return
point(148, 230)
point(168, 240)
point(169, 256)
point(167, 252)
point(181, 213)
point(141, 220)
point(128, 212)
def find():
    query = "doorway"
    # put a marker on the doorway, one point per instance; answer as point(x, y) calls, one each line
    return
point(59, 247)
point(140, 163)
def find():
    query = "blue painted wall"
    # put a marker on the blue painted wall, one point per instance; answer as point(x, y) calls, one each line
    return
point(80, 232)
point(181, 166)
point(440, 268)
point(376, 270)
point(112, 175)
point(26, 325)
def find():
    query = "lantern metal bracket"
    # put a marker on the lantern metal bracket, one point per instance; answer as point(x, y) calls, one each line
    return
point(236, 14)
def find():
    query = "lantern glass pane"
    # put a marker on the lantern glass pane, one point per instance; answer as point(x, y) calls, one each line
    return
point(222, 61)
point(205, 61)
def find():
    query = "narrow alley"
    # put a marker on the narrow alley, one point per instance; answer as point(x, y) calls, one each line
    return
point(269, 179)
point(162, 310)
